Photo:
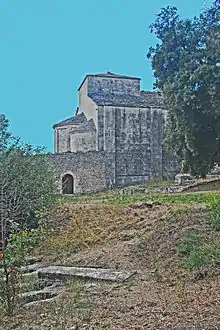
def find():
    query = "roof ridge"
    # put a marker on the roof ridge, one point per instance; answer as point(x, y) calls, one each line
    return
point(108, 74)
point(88, 125)
point(74, 120)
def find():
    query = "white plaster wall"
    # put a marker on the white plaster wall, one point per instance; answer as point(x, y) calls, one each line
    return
point(55, 140)
point(86, 104)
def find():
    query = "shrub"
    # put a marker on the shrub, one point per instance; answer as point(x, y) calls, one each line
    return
point(197, 252)
point(190, 243)
point(27, 195)
point(214, 203)
point(12, 258)
point(27, 182)
point(207, 254)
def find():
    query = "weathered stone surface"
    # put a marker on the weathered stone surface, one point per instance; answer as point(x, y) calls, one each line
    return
point(91, 171)
point(191, 186)
point(40, 302)
point(48, 292)
point(183, 178)
point(168, 190)
point(32, 268)
point(30, 275)
point(203, 185)
point(110, 83)
point(171, 164)
point(124, 144)
point(51, 283)
point(63, 273)
point(133, 190)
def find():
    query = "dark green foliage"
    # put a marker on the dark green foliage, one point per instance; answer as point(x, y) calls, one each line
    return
point(4, 134)
point(27, 183)
point(198, 253)
point(189, 243)
point(214, 203)
point(186, 65)
point(27, 193)
point(12, 258)
point(207, 254)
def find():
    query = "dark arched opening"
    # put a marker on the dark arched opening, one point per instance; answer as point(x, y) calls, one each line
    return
point(67, 184)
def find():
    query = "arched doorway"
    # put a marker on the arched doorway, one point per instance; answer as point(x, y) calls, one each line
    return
point(67, 184)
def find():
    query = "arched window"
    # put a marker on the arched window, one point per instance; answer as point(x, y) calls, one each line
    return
point(67, 184)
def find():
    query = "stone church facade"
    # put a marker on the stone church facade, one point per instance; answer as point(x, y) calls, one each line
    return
point(114, 139)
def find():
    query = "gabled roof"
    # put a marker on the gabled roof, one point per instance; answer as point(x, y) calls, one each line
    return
point(113, 75)
point(75, 120)
point(146, 99)
point(85, 127)
point(108, 75)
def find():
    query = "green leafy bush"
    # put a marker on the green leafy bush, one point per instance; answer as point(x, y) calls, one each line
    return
point(27, 182)
point(197, 252)
point(207, 254)
point(214, 203)
point(189, 244)
point(12, 258)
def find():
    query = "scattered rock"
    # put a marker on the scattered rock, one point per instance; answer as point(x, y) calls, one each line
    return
point(143, 205)
point(182, 178)
point(133, 190)
point(215, 170)
point(33, 260)
point(156, 203)
point(64, 273)
point(199, 275)
point(90, 286)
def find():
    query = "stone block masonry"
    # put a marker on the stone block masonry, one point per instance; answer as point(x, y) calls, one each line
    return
point(115, 138)
point(91, 171)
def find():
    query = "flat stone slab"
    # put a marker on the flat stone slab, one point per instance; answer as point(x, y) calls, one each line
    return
point(31, 275)
point(32, 268)
point(41, 302)
point(44, 294)
point(64, 273)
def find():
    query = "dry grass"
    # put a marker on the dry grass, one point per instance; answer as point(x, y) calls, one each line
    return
point(162, 295)
point(78, 227)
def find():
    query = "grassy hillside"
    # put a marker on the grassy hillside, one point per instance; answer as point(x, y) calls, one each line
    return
point(173, 247)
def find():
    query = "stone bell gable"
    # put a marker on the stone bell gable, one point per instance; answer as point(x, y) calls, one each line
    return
point(123, 123)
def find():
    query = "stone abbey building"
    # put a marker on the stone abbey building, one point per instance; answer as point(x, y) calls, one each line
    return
point(114, 139)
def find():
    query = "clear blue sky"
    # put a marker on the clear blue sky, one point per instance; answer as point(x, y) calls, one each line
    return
point(48, 46)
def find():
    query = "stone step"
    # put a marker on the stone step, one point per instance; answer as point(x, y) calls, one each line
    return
point(32, 268)
point(64, 273)
point(47, 293)
point(40, 302)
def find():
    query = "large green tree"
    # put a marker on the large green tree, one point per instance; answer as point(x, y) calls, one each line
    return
point(186, 64)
